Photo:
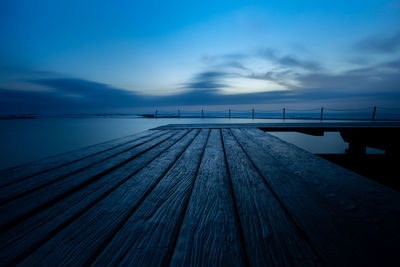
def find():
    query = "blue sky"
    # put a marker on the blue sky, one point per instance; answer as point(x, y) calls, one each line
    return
point(129, 55)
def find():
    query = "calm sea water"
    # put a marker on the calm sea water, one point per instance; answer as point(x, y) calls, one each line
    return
point(22, 140)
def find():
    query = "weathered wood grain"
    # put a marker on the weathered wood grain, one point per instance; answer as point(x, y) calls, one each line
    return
point(338, 185)
point(28, 235)
point(147, 237)
point(21, 172)
point(332, 229)
point(39, 199)
point(271, 238)
point(196, 197)
point(210, 235)
point(17, 189)
point(80, 242)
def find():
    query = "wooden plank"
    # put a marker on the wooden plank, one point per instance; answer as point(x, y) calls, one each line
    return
point(21, 172)
point(365, 199)
point(271, 237)
point(147, 237)
point(337, 233)
point(82, 240)
point(25, 237)
point(17, 189)
point(210, 235)
point(349, 188)
point(35, 201)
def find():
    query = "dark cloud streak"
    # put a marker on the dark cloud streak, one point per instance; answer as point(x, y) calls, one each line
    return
point(289, 61)
point(380, 44)
point(208, 80)
point(305, 79)
point(96, 97)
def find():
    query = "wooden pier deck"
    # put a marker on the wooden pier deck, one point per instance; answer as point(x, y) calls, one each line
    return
point(195, 197)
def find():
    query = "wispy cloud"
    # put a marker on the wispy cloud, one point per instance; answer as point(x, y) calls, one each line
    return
point(83, 96)
point(303, 77)
point(67, 94)
point(289, 61)
point(393, 64)
point(380, 44)
point(281, 77)
point(208, 80)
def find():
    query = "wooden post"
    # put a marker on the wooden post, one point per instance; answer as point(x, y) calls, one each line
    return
point(202, 114)
point(322, 113)
point(357, 141)
point(155, 115)
point(179, 113)
point(284, 111)
point(373, 114)
point(229, 113)
point(253, 113)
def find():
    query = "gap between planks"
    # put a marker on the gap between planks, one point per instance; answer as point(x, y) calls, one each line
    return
point(70, 220)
